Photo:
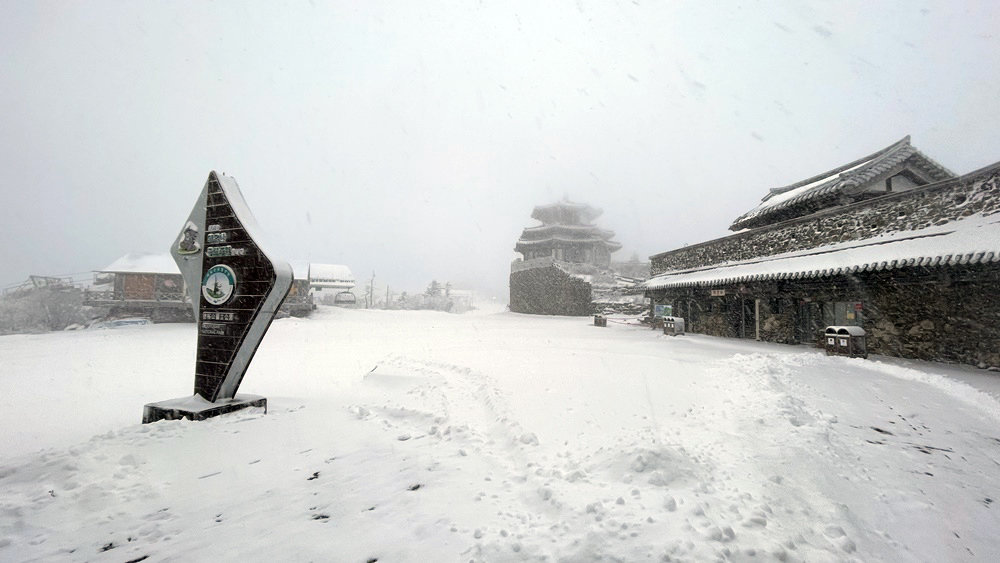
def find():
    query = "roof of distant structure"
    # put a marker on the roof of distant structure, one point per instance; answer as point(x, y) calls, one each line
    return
point(145, 263)
point(542, 230)
point(840, 179)
point(972, 240)
point(553, 212)
point(611, 244)
point(319, 273)
point(578, 233)
point(566, 222)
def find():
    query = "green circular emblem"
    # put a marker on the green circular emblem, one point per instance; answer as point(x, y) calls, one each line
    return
point(219, 284)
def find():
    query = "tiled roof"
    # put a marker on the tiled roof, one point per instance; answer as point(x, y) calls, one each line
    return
point(972, 240)
point(564, 232)
point(593, 240)
point(838, 180)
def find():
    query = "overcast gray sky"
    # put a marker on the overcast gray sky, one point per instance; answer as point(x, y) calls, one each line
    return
point(414, 138)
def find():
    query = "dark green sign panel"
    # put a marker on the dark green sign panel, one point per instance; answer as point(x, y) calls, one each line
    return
point(235, 286)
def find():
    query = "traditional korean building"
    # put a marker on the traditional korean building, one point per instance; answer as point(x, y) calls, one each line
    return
point(567, 234)
point(893, 243)
point(563, 258)
point(147, 285)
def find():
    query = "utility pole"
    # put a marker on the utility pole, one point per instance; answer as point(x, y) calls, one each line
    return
point(371, 291)
point(386, 297)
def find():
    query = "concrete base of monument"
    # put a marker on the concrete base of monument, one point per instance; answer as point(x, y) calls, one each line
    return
point(197, 408)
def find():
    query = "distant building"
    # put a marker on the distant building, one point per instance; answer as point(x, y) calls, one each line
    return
point(151, 285)
point(299, 301)
point(563, 258)
point(335, 280)
point(892, 242)
point(333, 277)
point(567, 234)
point(148, 285)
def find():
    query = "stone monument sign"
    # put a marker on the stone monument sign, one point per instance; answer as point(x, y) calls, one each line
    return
point(235, 290)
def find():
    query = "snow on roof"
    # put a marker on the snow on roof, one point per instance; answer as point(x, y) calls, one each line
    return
point(973, 240)
point(145, 263)
point(553, 212)
point(779, 195)
point(330, 273)
point(854, 173)
point(609, 243)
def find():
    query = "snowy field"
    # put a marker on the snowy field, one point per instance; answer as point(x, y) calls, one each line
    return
point(423, 436)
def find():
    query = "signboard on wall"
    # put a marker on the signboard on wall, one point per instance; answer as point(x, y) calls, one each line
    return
point(235, 287)
point(718, 293)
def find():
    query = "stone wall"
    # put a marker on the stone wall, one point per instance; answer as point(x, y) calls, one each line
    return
point(951, 315)
point(778, 320)
point(549, 291)
point(939, 314)
point(935, 204)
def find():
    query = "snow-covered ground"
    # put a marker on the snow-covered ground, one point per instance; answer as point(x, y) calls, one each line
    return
point(424, 436)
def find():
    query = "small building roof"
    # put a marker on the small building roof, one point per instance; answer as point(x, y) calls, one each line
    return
point(972, 240)
point(333, 274)
point(778, 201)
point(144, 263)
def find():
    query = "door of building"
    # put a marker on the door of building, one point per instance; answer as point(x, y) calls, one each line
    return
point(748, 318)
point(810, 322)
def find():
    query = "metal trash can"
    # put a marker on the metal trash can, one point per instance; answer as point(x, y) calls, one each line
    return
point(600, 320)
point(850, 341)
point(673, 325)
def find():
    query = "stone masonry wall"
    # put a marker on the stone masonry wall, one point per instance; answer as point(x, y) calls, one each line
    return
point(923, 207)
point(549, 291)
point(938, 314)
point(954, 316)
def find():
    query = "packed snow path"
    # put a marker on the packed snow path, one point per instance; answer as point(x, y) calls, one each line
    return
point(420, 436)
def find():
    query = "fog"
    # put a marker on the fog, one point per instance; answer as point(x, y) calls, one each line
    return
point(412, 139)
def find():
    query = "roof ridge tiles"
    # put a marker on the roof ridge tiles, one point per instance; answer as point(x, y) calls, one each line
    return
point(836, 181)
point(840, 169)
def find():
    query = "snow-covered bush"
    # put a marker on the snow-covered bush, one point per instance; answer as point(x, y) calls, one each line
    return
point(41, 310)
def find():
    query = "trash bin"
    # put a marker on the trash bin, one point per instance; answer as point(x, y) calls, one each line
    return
point(848, 341)
point(673, 325)
point(600, 320)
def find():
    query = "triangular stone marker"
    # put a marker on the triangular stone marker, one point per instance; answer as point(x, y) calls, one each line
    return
point(235, 289)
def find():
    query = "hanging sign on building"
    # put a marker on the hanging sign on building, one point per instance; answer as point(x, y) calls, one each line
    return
point(235, 289)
